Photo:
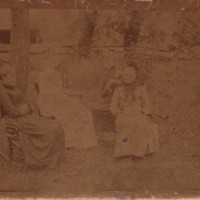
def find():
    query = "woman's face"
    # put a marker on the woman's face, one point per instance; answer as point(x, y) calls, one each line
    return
point(9, 79)
point(128, 75)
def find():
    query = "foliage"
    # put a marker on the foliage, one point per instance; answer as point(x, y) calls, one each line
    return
point(87, 39)
point(187, 33)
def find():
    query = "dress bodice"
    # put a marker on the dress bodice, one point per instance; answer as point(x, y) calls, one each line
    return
point(10, 100)
point(133, 100)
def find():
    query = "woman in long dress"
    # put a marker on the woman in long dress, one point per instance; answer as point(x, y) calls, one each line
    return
point(137, 135)
point(42, 139)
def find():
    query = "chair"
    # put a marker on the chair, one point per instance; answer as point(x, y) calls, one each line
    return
point(16, 153)
point(104, 121)
point(15, 150)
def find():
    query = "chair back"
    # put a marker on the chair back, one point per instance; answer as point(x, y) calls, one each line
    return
point(4, 145)
point(1, 112)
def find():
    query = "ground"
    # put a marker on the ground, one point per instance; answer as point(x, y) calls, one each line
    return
point(97, 170)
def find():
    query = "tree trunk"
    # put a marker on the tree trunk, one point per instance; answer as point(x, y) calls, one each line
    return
point(20, 43)
point(87, 39)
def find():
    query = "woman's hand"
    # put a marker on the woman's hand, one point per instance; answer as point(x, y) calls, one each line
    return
point(110, 85)
point(30, 109)
point(25, 109)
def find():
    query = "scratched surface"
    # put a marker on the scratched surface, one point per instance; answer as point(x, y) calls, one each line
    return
point(75, 48)
point(166, 5)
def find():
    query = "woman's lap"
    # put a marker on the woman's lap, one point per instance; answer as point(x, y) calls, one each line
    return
point(134, 135)
point(42, 139)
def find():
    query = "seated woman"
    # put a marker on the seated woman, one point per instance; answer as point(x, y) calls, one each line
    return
point(42, 139)
point(137, 135)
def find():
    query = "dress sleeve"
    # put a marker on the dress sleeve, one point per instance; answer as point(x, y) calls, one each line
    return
point(115, 103)
point(7, 105)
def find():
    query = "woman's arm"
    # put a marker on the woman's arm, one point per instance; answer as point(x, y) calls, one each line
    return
point(115, 103)
point(109, 87)
point(144, 100)
point(8, 107)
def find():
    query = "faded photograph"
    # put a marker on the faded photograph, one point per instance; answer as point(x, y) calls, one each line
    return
point(100, 100)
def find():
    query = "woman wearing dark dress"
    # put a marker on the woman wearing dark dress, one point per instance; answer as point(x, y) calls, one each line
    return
point(42, 139)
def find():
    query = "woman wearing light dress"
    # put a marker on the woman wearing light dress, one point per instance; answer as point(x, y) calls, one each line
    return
point(137, 135)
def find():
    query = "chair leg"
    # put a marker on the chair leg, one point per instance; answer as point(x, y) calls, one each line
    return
point(10, 149)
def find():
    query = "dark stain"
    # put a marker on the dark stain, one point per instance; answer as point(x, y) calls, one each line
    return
point(125, 139)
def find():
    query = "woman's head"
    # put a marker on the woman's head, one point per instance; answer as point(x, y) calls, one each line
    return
point(8, 76)
point(129, 75)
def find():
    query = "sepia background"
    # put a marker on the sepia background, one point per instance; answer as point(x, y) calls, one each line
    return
point(72, 50)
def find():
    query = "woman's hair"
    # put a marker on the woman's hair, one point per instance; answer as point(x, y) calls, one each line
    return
point(134, 66)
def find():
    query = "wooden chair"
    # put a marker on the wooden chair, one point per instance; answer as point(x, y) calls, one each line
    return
point(104, 121)
point(16, 153)
point(15, 150)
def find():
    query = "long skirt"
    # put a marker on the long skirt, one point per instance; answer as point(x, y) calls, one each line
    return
point(42, 140)
point(136, 135)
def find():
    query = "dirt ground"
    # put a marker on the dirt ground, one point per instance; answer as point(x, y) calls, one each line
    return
point(96, 170)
